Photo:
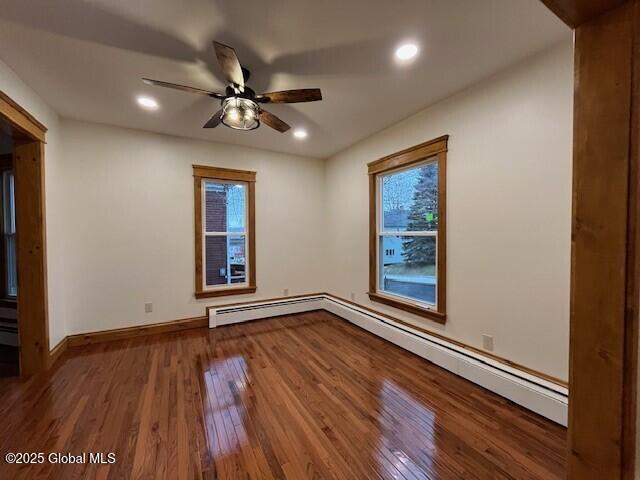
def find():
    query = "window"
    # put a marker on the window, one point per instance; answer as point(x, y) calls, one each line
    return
point(9, 234)
point(407, 237)
point(225, 231)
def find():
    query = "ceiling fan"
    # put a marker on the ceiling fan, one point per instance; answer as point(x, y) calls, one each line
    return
point(241, 108)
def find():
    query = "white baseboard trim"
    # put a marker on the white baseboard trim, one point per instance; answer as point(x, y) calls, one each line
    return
point(530, 391)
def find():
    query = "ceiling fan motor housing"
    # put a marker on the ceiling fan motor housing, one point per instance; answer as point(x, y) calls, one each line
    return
point(249, 93)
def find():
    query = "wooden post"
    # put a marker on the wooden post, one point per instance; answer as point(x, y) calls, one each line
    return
point(605, 286)
point(32, 261)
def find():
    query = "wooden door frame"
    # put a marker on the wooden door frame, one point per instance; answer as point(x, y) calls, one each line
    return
point(33, 325)
point(605, 265)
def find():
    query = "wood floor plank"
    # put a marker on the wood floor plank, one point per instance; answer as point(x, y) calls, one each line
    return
point(293, 397)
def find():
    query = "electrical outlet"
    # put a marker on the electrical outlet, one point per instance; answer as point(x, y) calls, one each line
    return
point(487, 342)
point(148, 307)
point(353, 297)
point(286, 292)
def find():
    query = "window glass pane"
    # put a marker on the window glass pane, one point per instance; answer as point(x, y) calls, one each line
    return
point(225, 259)
point(225, 205)
point(408, 267)
point(12, 271)
point(237, 259)
point(215, 260)
point(9, 233)
point(410, 199)
point(9, 209)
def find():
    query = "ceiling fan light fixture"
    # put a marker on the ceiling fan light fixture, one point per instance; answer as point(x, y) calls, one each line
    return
point(240, 113)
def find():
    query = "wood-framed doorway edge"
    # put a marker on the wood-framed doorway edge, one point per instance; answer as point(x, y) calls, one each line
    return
point(33, 322)
point(605, 256)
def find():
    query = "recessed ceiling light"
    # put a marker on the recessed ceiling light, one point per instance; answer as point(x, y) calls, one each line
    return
point(147, 103)
point(406, 51)
point(300, 133)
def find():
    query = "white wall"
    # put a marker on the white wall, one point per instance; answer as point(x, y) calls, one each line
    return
point(128, 222)
point(13, 86)
point(120, 215)
point(509, 212)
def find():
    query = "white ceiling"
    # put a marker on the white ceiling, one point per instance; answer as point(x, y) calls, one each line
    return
point(86, 58)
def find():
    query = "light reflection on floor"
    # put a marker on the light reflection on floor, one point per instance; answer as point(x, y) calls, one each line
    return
point(225, 411)
point(397, 406)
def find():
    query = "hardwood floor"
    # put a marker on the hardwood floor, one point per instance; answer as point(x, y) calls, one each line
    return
point(302, 396)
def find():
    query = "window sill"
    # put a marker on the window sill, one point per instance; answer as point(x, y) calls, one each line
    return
point(438, 317)
point(225, 292)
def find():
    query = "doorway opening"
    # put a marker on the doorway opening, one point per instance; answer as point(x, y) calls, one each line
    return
point(9, 338)
point(24, 331)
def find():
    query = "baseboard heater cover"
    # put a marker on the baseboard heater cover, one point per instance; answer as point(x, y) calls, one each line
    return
point(534, 393)
point(263, 309)
point(9, 334)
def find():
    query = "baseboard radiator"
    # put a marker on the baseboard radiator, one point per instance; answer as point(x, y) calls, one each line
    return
point(9, 334)
point(9, 327)
point(530, 391)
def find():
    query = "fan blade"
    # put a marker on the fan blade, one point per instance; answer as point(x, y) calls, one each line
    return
point(230, 64)
point(184, 88)
point(291, 96)
point(215, 120)
point(273, 121)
